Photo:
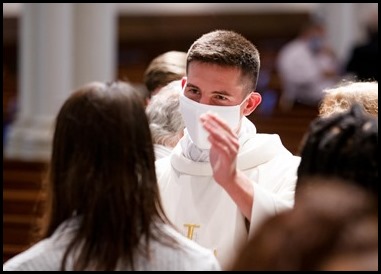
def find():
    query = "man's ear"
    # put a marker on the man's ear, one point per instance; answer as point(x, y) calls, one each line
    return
point(252, 103)
point(183, 81)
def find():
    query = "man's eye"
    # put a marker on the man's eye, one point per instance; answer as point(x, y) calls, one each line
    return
point(193, 93)
point(220, 97)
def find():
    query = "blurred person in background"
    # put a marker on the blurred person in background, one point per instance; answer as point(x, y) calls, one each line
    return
point(306, 65)
point(163, 69)
point(363, 59)
point(165, 120)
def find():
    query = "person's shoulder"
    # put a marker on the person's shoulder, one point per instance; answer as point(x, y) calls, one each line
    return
point(30, 259)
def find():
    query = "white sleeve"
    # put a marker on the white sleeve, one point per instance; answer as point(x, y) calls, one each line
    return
point(275, 195)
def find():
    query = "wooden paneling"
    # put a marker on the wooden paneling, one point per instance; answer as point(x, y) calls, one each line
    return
point(22, 203)
point(189, 27)
point(290, 126)
point(141, 38)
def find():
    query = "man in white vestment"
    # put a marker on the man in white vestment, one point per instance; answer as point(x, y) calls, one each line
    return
point(223, 178)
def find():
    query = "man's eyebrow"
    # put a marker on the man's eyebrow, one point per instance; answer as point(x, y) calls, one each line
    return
point(216, 92)
point(222, 92)
point(192, 86)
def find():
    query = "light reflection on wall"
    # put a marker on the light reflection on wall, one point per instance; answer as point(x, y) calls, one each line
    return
point(13, 9)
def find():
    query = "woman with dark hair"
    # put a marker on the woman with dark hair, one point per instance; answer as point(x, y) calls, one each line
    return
point(104, 210)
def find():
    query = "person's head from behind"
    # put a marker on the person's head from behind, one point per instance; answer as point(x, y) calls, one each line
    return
point(347, 237)
point(164, 116)
point(334, 226)
point(222, 74)
point(341, 98)
point(163, 69)
point(344, 145)
point(102, 170)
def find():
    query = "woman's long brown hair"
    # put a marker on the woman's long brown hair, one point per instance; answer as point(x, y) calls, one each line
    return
point(102, 171)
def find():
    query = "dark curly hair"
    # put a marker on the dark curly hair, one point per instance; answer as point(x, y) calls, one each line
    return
point(344, 145)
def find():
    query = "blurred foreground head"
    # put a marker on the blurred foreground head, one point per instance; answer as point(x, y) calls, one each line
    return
point(333, 226)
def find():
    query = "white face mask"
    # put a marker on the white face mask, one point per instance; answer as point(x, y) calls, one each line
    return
point(191, 112)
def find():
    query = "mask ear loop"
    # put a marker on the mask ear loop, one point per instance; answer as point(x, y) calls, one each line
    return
point(240, 105)
point(247, 96)
point(183, 83)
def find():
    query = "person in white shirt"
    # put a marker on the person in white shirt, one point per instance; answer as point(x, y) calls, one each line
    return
point(223, 178)
point(306, 66)
point(103, 206)
point(165, 120)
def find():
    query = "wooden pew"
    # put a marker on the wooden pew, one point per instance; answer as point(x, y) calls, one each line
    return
point(22, 200)
point(290, 126)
